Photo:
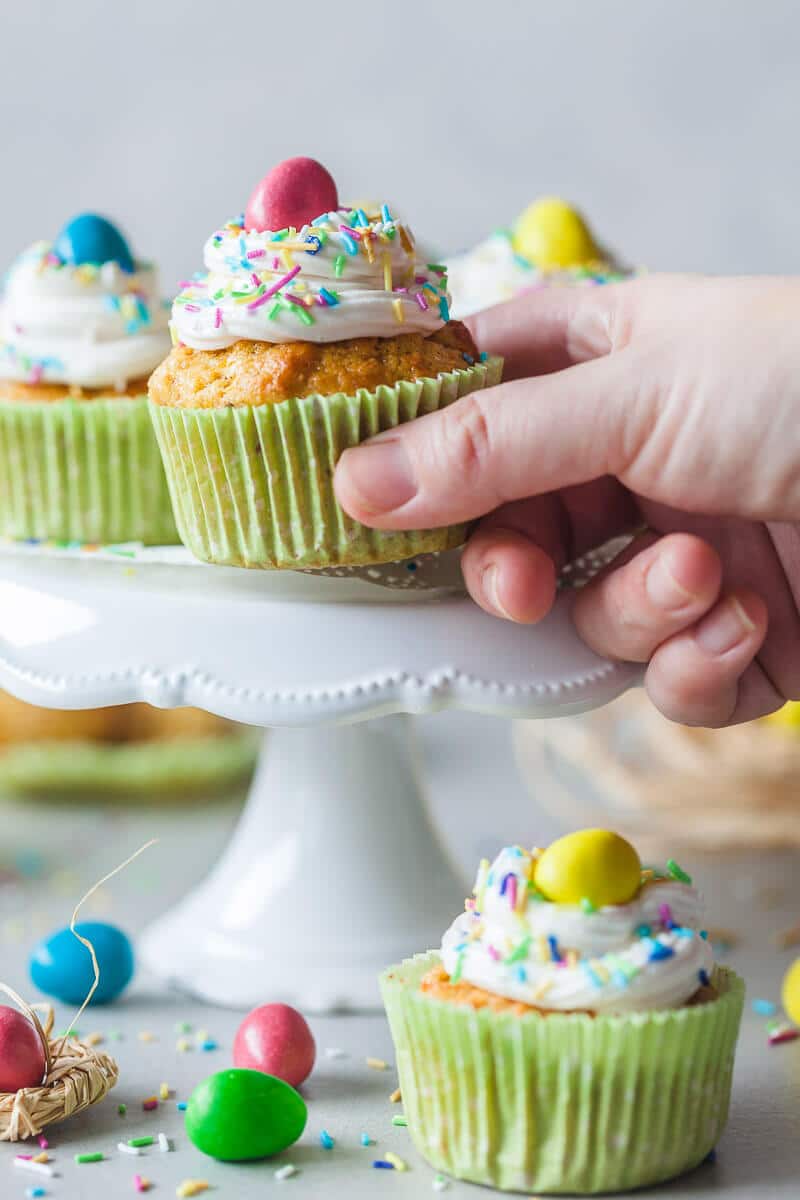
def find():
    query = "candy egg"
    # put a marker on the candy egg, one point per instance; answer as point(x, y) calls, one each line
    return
point(293, 193)
point(92, 239)
point(236, 1115)
point(22, 1061)
point(276, 1039)
point(592, 864)
point(61, 966)
point(551, 234)
point(790, 992)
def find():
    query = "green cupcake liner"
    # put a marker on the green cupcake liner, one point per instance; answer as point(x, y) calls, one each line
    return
point(84, 471)
point(176, 769)
point(563, 1102)
point(253, 486)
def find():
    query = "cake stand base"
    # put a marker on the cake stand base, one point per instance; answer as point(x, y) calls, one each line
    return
point(333, 872)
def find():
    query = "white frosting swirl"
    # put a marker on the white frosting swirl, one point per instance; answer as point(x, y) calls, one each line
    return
point(646, 954)
point(84, 325)
point(493, 272)
point(348, 274)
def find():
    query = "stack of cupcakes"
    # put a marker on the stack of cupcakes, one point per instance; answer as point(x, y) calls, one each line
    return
point(82, 327)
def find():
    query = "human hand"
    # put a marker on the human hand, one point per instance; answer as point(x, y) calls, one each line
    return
point(669, 402)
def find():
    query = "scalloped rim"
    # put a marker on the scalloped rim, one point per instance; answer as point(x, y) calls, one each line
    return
point(403, 691)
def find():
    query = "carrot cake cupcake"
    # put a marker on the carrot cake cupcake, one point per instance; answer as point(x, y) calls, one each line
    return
point(314, 327)
point(549, 245)
point(82, 326)
point(573, 1034)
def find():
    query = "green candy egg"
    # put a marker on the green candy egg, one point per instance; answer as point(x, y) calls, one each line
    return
point(238, 1114)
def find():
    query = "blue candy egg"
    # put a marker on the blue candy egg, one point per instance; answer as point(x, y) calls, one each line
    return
point(92, 239)
point(61, 966)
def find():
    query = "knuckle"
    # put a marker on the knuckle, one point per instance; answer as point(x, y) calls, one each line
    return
point(467, 439)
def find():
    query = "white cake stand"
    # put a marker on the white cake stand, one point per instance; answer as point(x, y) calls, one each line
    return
point(334, 870)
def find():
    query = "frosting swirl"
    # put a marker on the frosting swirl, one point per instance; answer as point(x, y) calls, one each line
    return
point(347, 274)
point(88, 326)
point(646, 954)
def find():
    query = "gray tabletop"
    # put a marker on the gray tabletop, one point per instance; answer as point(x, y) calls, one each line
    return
point(49, 854)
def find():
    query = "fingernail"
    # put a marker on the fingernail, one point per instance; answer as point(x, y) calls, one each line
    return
point(724, 628)
point(489, 589)
point(381, 476)
point(663, 588)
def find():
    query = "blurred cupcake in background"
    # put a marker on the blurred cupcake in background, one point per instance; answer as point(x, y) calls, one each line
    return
point(82, 326)
point(128, 750)
point(549, 244)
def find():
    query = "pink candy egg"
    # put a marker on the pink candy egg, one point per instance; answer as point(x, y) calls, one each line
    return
point(22, 1062)
point(293, 193)
point(276, 1039)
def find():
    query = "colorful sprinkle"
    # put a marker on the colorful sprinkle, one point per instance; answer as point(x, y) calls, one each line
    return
point(326, 1141)
point(677, 872)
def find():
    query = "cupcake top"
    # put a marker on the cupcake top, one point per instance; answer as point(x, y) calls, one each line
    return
point(81, 311)
point(581, 926)
point(322, 276)
point(549, 245)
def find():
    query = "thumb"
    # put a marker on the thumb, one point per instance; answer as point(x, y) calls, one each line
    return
point(513, 441)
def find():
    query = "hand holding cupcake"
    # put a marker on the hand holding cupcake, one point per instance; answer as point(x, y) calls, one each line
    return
point(313, 327)
point(574, 1034)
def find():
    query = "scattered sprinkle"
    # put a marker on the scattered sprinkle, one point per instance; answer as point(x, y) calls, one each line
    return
point(587, 906)
point(366, 1140)
point(326, 1141)
point(164, 1143)
point(401, 1121)
point(124, 1148)
point(209, 1044)
point(163, 1091)
point(88, 1158)
point(764, 1008)
point(440, 1183)
point(28, 1164)
point(150, 1103)
point(286, 1172)
point(145, 1035)
point(397, 1162)
point(377, 1064)
point(182, 1045)
point(677, 872)
point(94, 1039)
point(183, 1027)
point(43, 1142)
point(141, 1184)
point(122, 1109)
point(382, 1164)
point(141, 1141)
point(191, 1187)
point(335, 1052)
point(782, 1034)
point(786, 938)
point(396, 1096)
point(35, 1193)
point(181, 1105)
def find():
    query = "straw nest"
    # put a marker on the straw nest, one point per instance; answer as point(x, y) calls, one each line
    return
point(76, 1076)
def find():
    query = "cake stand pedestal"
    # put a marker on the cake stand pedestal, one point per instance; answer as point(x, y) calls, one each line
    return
point(334, 870)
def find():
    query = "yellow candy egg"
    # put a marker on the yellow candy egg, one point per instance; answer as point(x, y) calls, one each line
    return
point(790, 992)
point(787, 717)
point(552, 234)
point(593, 865)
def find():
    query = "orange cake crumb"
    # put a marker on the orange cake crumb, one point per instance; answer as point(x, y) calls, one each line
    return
point(15, 390)
point(251, 373)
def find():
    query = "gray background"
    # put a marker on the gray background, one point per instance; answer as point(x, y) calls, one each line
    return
point(672, 122)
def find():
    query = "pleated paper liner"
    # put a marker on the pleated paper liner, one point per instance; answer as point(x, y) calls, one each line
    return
point(564, 1102)
point(253, 486)
point(84, 471)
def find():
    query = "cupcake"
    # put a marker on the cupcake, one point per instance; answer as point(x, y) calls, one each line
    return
point(550, 244)
point(314, 327)
point(81, 328)
point(573, 1034)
